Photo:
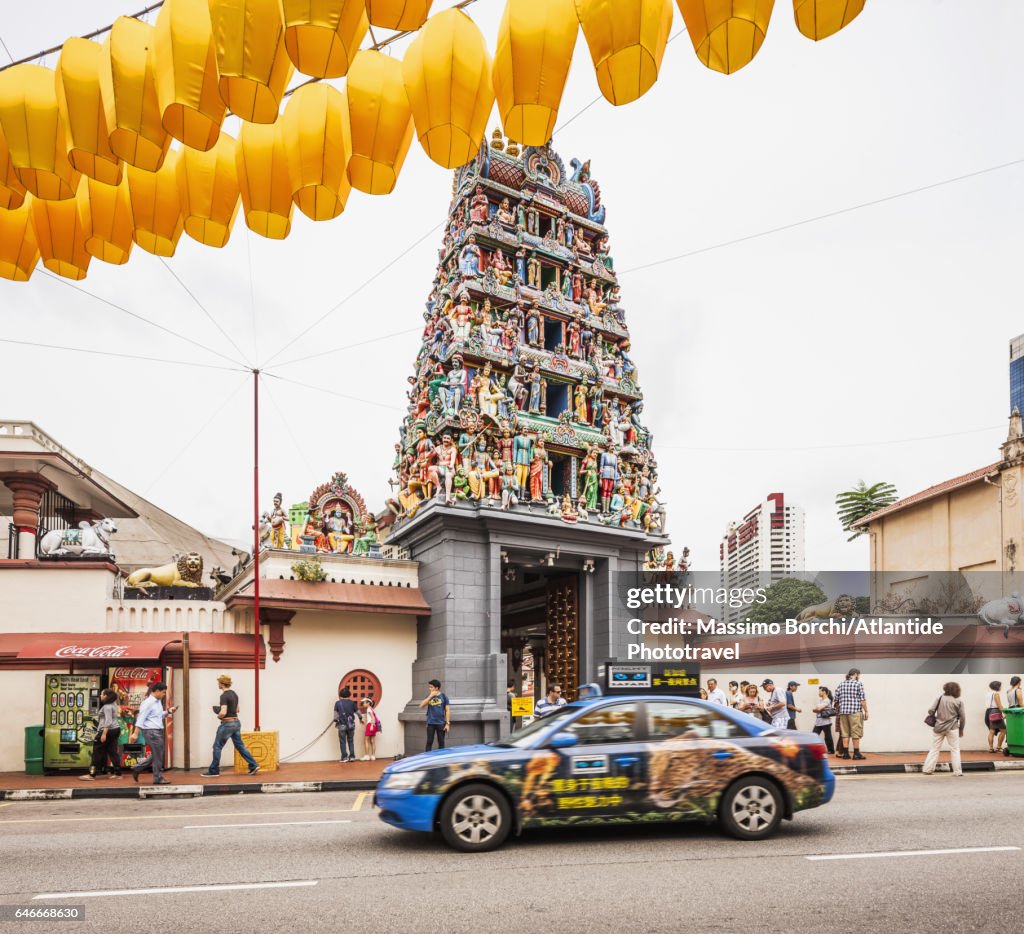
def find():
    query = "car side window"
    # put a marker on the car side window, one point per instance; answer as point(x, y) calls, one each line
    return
point(674, 720)
point(615, 723)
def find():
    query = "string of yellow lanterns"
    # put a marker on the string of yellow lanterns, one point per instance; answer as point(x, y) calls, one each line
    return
point(86, 164)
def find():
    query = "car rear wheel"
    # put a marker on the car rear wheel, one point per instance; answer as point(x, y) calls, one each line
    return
point(751, 808)
point(475, 818)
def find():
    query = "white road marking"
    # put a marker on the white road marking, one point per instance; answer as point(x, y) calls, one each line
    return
point(180, 888)
point(966, 849)
point(282, 823)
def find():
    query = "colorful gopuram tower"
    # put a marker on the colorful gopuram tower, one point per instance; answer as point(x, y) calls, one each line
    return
point(525, 477)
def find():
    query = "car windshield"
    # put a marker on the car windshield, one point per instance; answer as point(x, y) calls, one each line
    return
point(523, 738)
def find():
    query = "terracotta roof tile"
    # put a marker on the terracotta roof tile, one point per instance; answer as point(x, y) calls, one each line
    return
point(937, 490)
point(359, 598)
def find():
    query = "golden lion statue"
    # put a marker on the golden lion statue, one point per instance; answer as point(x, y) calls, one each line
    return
point(843, 605)
point(186, 571)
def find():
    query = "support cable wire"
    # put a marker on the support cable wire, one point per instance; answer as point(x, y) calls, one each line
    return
point(126, 356)
point(202, 307)
point(156, 6)
point(369, 340)
point(138, 317)
point(332, 392)
point(822, 217)
point(288, 427)
point(216, 413)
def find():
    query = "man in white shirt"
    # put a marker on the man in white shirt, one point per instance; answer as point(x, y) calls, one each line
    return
point(776, 704)
point(150, 720)
point(715, 694)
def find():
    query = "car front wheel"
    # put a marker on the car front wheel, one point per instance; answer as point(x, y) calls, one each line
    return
point(475, 818)
point(751, 809)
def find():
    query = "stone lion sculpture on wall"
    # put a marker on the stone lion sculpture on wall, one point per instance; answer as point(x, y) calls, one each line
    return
point(843, 605)
point(185, 571)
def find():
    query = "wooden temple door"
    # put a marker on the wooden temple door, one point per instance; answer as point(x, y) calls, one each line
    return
point(563, 634)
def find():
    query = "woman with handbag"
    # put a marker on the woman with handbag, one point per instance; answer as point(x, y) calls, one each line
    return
point(947, 720)
point(995, 722)
point(823, 714)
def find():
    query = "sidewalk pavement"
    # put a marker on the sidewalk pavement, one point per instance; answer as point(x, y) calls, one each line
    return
point(363, 776)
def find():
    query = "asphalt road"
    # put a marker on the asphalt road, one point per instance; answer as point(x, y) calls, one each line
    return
point(331, 865)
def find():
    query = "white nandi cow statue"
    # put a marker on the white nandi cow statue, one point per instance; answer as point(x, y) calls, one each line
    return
point(87, 539)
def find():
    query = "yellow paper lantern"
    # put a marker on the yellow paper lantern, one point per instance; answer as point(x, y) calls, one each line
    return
point(318, 143)
point(128, 88)
point(83, 113)
point(819, 19)
point(186, 73)
point(36, 138)
point(263, 180)
point(381, 120)
point(536, 40)
point(12, 192)
point(61, 237)
point(208, 189)
point(156, 207)
point(323, 36)
point(627, 40)
point(19, 251)
point(403, 15)
point(254, 68)
point(105, 212)
point(447, 74)
point(726, 34)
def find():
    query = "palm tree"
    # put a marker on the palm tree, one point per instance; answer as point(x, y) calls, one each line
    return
point(861, 501)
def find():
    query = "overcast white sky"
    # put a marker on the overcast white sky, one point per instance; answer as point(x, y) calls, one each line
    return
point(883, 324)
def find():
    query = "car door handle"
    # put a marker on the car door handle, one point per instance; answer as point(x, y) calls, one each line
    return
point(627, 760)
point(721, 755)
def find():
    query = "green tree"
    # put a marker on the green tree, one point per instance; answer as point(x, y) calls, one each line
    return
point(786, 598)
point(861, 501)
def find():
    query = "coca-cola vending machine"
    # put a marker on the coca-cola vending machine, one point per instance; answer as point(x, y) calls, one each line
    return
point(131, 684)
point(70, 711)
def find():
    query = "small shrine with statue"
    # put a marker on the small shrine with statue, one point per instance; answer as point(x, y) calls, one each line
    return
point(334, 520)
point(524, 393)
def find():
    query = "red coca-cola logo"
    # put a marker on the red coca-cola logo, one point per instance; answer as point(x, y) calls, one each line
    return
point(131, 674)
point(99, 651)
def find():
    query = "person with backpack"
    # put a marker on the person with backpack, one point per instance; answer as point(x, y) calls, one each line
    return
point(372, 729)
point(948, 721)
point(346, 711)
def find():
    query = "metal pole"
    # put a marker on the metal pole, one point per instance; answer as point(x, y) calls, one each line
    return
point(256, 544)
point(185, 670)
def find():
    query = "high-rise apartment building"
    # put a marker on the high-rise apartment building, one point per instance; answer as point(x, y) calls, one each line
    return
point(764, 547)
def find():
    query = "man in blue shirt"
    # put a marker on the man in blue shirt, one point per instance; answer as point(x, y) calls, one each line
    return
point(150, 720)
point(791, 708)
point(551, 702)
point(438, 714)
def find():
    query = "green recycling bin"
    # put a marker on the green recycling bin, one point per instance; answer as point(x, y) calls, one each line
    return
point(1014, 730)
point(34, 750)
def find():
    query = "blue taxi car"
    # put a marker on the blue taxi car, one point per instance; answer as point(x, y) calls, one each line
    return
point(612, 760)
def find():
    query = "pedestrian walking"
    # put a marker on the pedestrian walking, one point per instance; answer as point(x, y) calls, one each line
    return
point(370, 732)
point(775, 705)
point(791, 705)
point(346, 712)
point(995, 722)
point(823, 714)
point(715, 694)
point(950, 721)
point(438, 714)
point(108, 732)
point(150, 721)
point(734, 694)
point(852, 706)
point(551, 702)
point(229, 730)
point(750, 703)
